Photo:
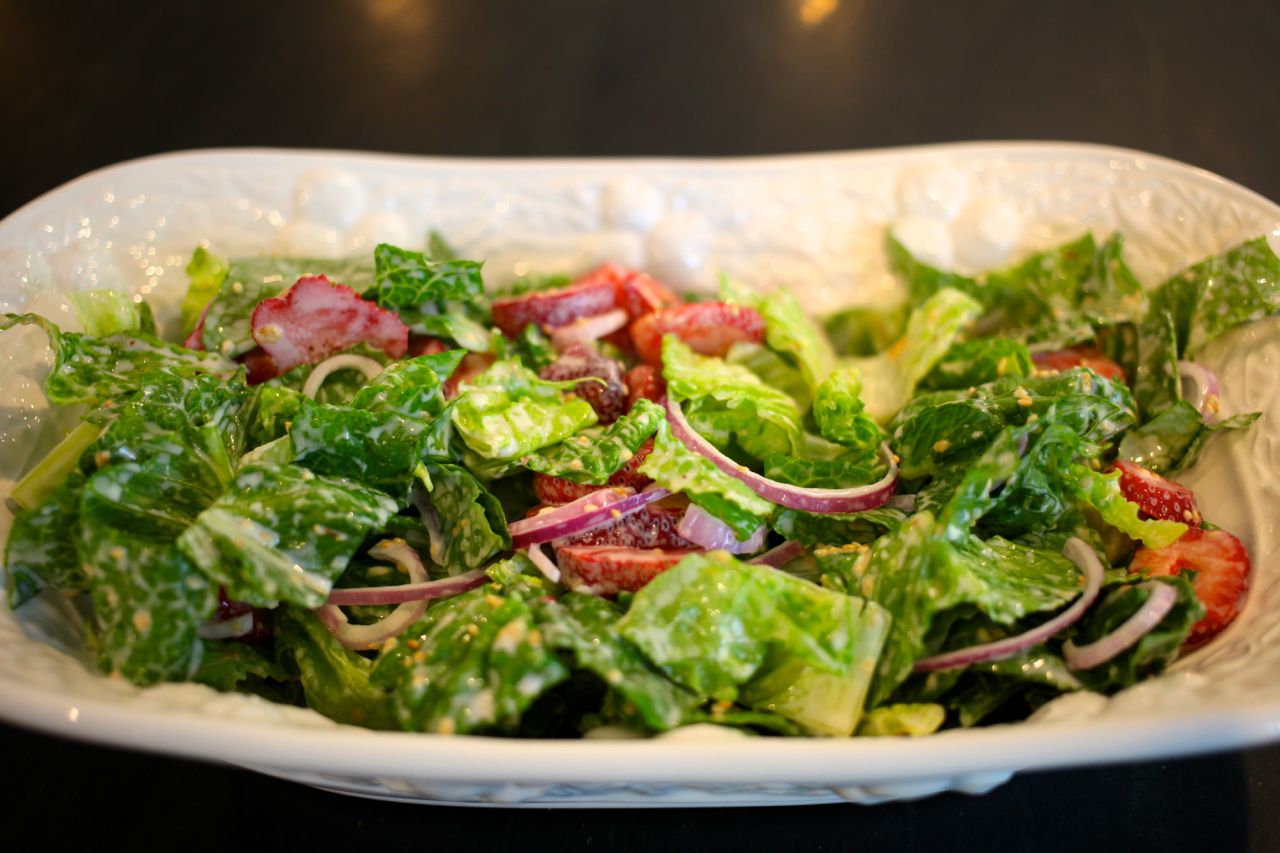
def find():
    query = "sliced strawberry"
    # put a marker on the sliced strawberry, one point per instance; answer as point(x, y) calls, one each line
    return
point(471, 366)
point(584, 298)
point(580, 361)
point(315, 319)
point(642, 294)
point(607, 570)
point(425, 345)
point(709, 328)
point(557, 490)
point(1222, 579)
point(1080, 356)
point(654, 526)
point(1155, 496)
point(258, 366)
point(645, 380)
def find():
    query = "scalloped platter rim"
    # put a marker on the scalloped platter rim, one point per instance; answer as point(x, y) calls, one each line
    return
point(772, 221)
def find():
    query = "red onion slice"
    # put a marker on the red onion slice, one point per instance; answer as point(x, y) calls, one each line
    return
point(400, 593)
point(1079, 553)
point(779, 556)
point(809, 500)
point(371, 636)
point(589, 512)
point(584, 330)
point(227, 629)
point(1157, 606)
point(704, 529)
point(549, 569)
point(347, 361)
point(1200, 388)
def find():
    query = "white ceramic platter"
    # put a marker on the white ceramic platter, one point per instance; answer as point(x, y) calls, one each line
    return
point(814, 223)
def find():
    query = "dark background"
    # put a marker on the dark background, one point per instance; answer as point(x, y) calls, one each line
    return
point(86, 85)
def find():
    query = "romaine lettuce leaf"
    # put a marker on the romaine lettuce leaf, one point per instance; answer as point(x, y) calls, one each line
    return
point(508, 412)
point(889, 379)
point(903, 720)
point(596, 453)
point(282, 533)
point(978, 362)
point(467, 524)
point(40, 551)
point(1173, 440)
point(474, 663)
point(677, 468)
point(838, 410)
point(735, 631)
point(205, 273)
point(950, 426)
point(727, 400)
point(1102, 492)
point(866, 329)
point(90, 370)
point(148, 597)
point(1157, 648)
point(335, 680)
point(789, 329)
point(103, 313)
point(380, 449)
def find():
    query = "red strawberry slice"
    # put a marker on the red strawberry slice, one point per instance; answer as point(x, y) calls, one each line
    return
point(258, 366)
point(584, 298)
point(582, 360)
point(1081, 356)
point(1222, 582)
point(557, 490)
point(653, 526)
point(645, 380)
point(709, 328)
point(1155, 496)
point(425, 345)
point(315, 319)
point(642, 294)
point(607, 570)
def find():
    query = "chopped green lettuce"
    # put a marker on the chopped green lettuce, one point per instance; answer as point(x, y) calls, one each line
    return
point(1154, 651)
point(508, 412)
point(734, 631)
point(205, 273)
point(335, 681)
point(677, 468)
point(90, 370)
point(596, 453)
point(467, 524)
point(283, 533)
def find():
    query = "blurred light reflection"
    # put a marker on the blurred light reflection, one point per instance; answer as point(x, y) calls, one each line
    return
point(814, 12)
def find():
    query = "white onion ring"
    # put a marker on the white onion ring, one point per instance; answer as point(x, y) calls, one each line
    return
point(1200, 388)
point(371, 636)
point(704, 529)
point(549, 569)
point(809, 500)
point(227, 629)
point(779, 556)
point(346, 361)
point(1144, 619)
point(584, 330)
point(1079, 553)
point(592, 511)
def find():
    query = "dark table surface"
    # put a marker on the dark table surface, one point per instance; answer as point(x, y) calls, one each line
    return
point(86, 85)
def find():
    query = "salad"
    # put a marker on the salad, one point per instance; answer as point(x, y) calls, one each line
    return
point(371, 487)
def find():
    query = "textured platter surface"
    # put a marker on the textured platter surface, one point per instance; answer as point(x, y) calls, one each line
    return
point(814, 223)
